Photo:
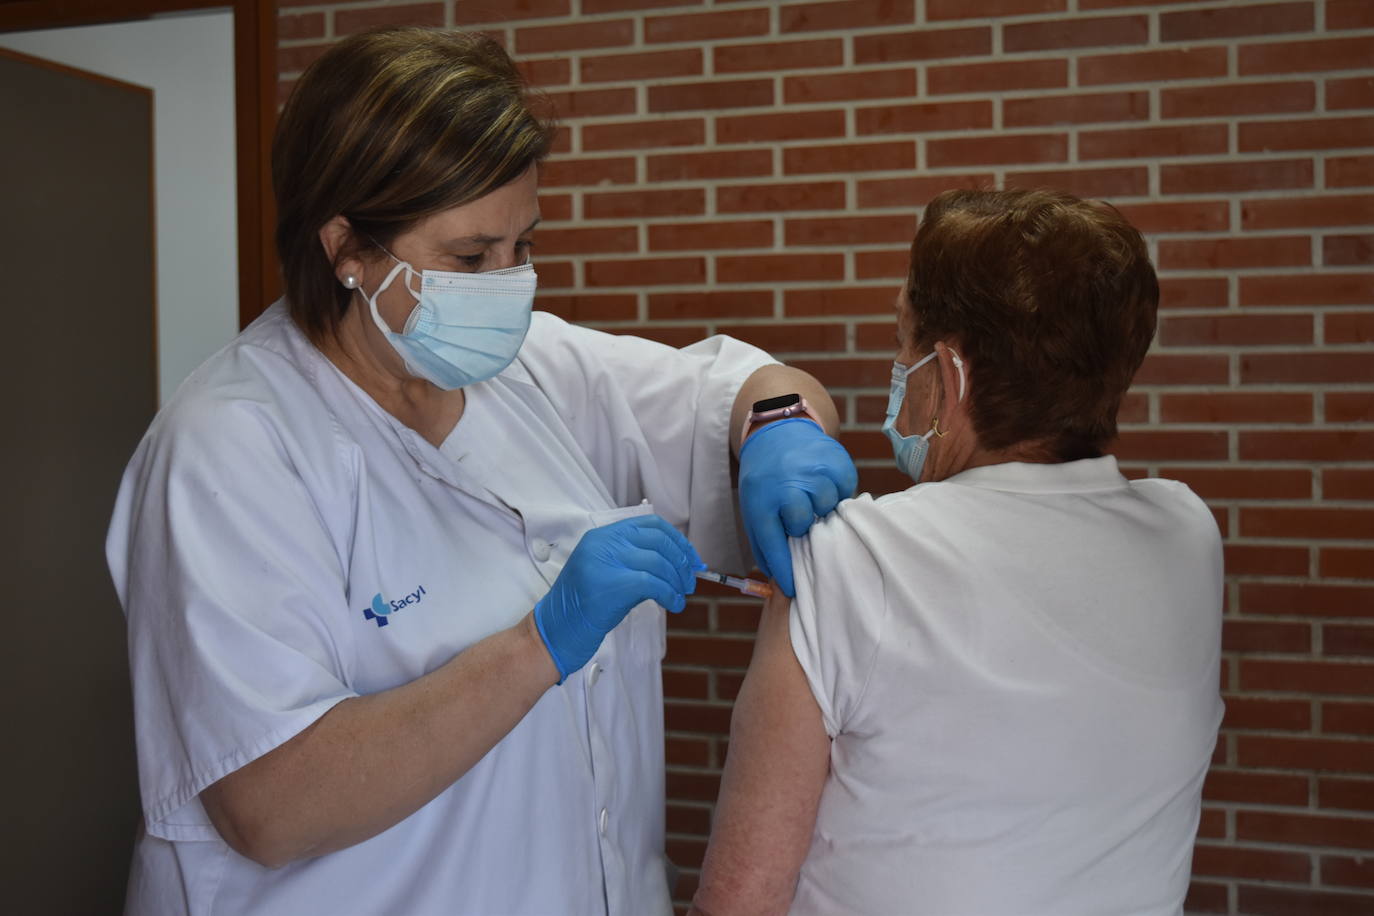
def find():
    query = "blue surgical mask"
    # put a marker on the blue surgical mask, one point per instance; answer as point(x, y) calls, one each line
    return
point(910, 451)
point(465, 328)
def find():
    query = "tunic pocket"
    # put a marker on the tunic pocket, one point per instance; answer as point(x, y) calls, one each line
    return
point(644, 631)
point(601, 517)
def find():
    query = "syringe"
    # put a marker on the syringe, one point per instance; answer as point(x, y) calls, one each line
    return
point(746, 586)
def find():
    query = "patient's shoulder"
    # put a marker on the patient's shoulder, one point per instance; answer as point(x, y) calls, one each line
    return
point(840, 530)
point(842, 550)
point(866, 517)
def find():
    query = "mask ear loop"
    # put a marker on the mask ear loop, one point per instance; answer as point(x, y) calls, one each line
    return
point(919, 363)
point(906, 374)
point(935, 421)
point(410, 271)
point(958, 364)
point(386, 282)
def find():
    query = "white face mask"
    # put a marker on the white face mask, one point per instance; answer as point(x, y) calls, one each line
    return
point(910, 451)
point(465, 328)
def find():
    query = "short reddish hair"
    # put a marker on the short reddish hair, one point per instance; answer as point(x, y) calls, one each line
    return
point(1053, 301)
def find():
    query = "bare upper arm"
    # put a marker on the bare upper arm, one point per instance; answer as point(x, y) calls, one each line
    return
point(778, 762)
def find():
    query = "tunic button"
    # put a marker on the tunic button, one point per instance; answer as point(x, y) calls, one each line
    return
point(603, 820)
point(542, 549)
point(593, 674)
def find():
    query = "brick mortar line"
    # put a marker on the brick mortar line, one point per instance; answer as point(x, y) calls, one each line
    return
point(1247, 158)
point(1179, 273)
point(1306, 657)
point(713, 116)
point(1272, 808)
point(1234, 769)
point(1311, 658)
point(1338, 543)
point(1258, 388)
point(579, 55)
point(1314, 579)
point(1301, 848)
point(1296, 270)
point(1250, 157)
point(847, 36)
point(1179, 197)
point(1300, 695)
point(936, 171)
point(775, 31)
point(1089, 89)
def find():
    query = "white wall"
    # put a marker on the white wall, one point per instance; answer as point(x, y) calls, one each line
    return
point(188, 62)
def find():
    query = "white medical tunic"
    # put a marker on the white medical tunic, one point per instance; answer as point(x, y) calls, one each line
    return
point(274, 509)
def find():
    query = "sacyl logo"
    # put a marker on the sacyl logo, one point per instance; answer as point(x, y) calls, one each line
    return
point(381, 609)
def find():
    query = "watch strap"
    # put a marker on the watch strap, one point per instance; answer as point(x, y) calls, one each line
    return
point(799, 409)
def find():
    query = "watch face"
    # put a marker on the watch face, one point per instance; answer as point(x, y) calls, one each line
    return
point(782, 400)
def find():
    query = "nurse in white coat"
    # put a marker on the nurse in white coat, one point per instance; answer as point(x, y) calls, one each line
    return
point(395, 560)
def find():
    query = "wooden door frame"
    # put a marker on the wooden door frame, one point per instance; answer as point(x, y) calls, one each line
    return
point(255, 112)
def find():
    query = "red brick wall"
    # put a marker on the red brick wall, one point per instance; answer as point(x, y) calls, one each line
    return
point(757, 168)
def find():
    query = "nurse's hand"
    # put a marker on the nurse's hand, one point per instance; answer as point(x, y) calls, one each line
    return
point(612, 569)
point(790, 472)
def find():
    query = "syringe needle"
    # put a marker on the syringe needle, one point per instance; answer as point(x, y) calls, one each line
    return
point(745, 586)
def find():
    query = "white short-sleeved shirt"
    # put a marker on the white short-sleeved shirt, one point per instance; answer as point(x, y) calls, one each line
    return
point(273, 504)
point(1018, 667)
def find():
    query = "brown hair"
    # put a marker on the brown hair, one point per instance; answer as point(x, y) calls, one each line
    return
point(386, 128)
point(1053, 301)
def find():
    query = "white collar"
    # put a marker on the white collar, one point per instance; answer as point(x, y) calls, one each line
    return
point(1025, 477)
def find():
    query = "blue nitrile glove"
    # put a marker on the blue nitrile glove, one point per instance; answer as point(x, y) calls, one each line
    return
point(790, 471)
point(612, 569)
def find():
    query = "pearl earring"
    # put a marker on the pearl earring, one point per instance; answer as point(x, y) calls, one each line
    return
point(350, 281)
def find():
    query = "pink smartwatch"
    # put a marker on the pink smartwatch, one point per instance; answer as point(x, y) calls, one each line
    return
point(778, 408)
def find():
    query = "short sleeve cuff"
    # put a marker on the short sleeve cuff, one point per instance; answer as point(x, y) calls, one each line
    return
point(178, 814)
point(806, 638)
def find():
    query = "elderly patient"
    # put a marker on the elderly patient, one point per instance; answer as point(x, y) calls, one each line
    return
point(997, 691)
